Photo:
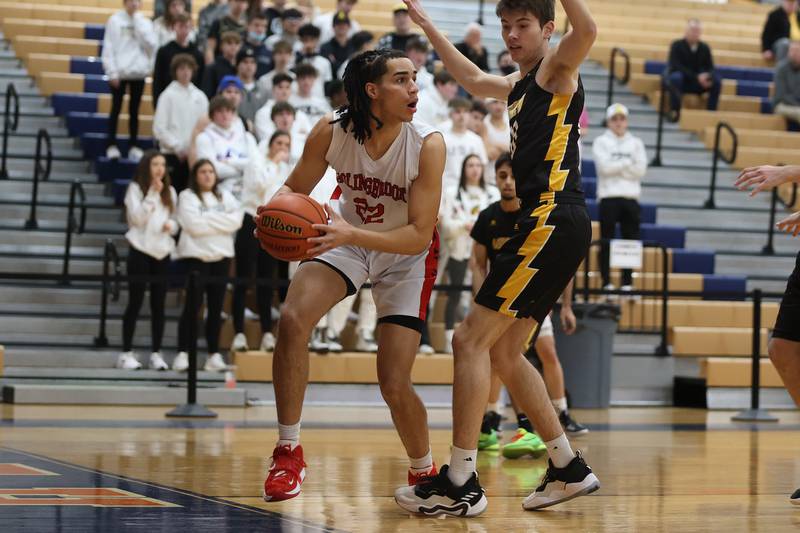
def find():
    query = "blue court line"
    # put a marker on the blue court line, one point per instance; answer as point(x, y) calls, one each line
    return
point(192, 512)
point(169, 423)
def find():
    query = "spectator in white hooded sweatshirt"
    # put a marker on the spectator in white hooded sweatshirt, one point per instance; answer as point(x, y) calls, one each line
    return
point(262, 180)
point(181, 105)
point(229, 147)
point(150, 212)
point(621, 163)
point(129, 48)
point(209, 217)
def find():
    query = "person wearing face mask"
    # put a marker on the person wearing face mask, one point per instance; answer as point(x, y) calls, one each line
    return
point(255, 37)
point(505, 64)
point(182, 44)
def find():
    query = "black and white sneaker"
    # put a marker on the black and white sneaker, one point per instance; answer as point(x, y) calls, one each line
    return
point(571, 427)
point(439, 496)
point(795, 498)
point(562, 484)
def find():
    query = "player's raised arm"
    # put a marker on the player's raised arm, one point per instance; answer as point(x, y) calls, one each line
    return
point(466, 73)
point(423, 208)
point(575, 45)
point(312, 164)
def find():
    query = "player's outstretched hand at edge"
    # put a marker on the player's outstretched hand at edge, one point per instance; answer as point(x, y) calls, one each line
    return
point(790, 224)
point(416, 12)
point(337, 232)
point(761, 178)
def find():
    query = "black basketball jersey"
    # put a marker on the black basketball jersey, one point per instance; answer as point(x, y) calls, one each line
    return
point(493, 228)
point(544, 138)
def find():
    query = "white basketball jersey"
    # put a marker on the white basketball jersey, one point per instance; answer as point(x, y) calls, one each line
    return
point(374, 193)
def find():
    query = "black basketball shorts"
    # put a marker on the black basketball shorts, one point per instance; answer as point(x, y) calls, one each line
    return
point(534, 266)
point(787, 325)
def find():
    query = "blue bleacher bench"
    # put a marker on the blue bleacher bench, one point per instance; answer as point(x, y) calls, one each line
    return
point(713, 284)
point(726, 72)
point(94, 144)
point(109, 170)
point(648, 214)
point(86, 65)
point(693, 261)
point(94, 31)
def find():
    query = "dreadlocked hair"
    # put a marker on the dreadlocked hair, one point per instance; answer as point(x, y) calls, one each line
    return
point(367, 67)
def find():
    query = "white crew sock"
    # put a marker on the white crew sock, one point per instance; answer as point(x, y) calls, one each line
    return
point(497, 407)
point(560, 451)
point(560, 404)
point(422, 465)
point(462, 465)
point(289, 435)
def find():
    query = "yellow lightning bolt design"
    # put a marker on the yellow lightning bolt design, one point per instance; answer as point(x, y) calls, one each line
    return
point(537, 239)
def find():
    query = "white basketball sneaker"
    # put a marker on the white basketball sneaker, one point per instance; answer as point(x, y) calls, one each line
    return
point(128, 361)
point(239, 343)
point(181, 362)
point(215, 363)
point(157, 362)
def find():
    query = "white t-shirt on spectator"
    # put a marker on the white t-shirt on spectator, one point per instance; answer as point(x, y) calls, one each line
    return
point(459, 146)
point(432, 109)
point(313, 106)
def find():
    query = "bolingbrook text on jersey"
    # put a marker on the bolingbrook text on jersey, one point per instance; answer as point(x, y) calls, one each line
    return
point(373, 187)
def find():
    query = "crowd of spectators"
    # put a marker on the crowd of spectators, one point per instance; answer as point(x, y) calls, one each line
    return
point(235, 99)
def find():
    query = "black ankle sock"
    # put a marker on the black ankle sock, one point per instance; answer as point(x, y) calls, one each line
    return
point(524, 423)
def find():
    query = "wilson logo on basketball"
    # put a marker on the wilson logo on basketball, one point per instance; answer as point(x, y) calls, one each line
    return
point(268, 222)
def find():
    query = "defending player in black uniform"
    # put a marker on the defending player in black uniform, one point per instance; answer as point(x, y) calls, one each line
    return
point(552, 236)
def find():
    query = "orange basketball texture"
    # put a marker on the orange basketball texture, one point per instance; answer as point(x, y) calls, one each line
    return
point(284, 224)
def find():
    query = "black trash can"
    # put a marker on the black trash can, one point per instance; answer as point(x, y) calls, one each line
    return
point(586, 354)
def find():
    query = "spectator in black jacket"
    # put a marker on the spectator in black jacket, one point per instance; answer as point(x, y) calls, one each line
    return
point(162, 73)
point(783, 25)
point(224, 65)
point(691, 68)
point(472, 47)
point(397, 39)
point(339, 48)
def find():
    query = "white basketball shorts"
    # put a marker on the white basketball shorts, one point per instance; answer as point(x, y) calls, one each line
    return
point(401, 284)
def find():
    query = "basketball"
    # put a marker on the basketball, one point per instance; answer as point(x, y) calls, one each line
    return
point(285, 223)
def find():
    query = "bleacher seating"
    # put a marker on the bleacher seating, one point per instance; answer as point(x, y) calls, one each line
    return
point(59, 42)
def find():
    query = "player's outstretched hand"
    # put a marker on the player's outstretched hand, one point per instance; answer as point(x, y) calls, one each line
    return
point(416, 12)
point(337, 232)
point(790, 224)
point(568, 322)
point(761, 178)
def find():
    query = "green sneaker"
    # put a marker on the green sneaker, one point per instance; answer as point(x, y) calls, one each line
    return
point(488, 441)
point(524, 443)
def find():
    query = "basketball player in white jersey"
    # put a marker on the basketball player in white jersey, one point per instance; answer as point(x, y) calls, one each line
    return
point(389, 174)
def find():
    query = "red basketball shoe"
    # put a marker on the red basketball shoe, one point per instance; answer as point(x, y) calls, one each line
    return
point(285, 474)
point(413, 478)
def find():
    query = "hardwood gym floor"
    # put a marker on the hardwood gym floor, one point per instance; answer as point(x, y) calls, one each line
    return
point(130, 469)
